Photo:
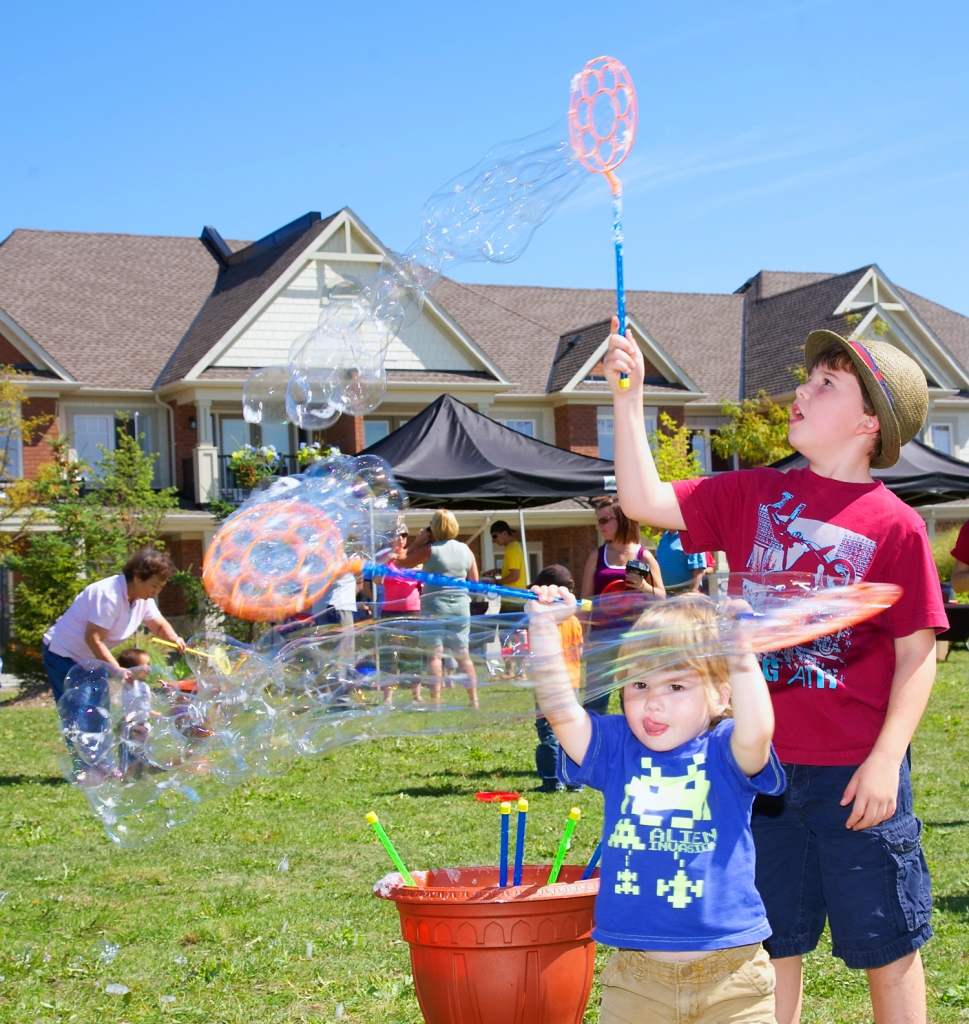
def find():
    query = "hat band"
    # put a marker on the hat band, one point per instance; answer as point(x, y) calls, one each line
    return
point(869, 361)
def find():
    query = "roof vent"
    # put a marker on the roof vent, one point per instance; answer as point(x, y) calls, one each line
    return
point(215, 243)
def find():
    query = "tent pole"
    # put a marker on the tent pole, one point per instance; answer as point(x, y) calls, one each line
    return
point(487, 548)
point(521, 530)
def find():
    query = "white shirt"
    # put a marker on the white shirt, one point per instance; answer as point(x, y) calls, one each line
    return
point(343, 594)
point(106, 605)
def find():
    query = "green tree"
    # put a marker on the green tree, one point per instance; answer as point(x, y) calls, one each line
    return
point(673, 452)
point(76, 537)
point(757, 430)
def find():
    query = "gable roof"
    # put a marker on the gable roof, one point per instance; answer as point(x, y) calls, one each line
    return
point(108, 308)
point(241, 281)
point(767, 283)
point(777, 327)
point(520, 327)
point(951, 328)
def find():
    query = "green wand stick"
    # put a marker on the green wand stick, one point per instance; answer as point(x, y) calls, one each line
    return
point(389, 847)
point(574, 816)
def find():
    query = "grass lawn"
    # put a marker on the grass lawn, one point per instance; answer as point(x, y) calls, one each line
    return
point(259, 910)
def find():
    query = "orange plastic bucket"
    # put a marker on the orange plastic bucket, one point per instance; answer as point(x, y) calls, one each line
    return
point(485, 955)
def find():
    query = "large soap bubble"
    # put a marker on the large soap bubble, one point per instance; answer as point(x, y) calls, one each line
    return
point(148, 749)
point(488, 213)
point(264, 395)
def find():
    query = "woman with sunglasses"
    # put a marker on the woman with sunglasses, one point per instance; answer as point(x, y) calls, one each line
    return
point(607, 564)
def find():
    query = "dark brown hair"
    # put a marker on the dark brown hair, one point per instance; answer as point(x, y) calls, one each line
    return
point(148, 562)
point(131, 657)
point(834, 357)
point(627, 530)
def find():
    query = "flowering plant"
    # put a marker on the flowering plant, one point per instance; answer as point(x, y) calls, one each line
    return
point(311, 452)
point(251, 464)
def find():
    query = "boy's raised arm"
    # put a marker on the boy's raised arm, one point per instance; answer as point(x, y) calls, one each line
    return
point(642, 494)
point(553, 689)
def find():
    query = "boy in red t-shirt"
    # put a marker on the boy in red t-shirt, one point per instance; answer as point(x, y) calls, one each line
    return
point(842, 843)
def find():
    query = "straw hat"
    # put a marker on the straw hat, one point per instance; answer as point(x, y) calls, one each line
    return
point(894, 382)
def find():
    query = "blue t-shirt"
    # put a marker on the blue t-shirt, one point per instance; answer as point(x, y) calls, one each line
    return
point(677, 869)
point(675, 565)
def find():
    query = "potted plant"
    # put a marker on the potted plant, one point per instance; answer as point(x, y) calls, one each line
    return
point(250, 464)
point(312, 452)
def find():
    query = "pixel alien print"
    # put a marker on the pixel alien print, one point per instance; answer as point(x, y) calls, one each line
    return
point(787, 541)
point(670, 809)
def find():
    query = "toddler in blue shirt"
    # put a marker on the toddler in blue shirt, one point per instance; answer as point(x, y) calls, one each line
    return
point(676, 888)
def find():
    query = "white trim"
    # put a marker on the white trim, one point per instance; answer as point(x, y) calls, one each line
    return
point(22, 340)
point(928, 350)
point(650, 348)
point(347, 220)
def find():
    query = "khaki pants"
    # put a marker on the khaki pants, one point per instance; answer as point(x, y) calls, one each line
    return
point(735, 985)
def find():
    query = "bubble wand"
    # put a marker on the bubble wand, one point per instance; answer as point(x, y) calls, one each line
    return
point(602, 127)
point(574, 816)
point(520, 840)
point(503, 854)
point(593, 861)
point(389, 847)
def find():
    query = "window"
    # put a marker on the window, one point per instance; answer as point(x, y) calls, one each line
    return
point(940, 437)
point(374, 431)
point(606, 431)
point(526, 427)
point(277, 435)
point(138, 426)
point(235, 435)
point(700, 443)
point(90, 432)
point(11, 450)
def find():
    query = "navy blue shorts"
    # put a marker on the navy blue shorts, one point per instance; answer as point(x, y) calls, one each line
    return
point(872, 886)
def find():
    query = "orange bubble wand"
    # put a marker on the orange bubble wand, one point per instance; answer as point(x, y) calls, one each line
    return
point(602, 127)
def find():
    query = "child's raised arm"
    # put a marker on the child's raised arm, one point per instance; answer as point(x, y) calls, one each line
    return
point(642, 494)
point(753, 712)
point(553, 690)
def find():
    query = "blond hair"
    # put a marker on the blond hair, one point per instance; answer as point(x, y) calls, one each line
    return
point(444, 525)
point(683, 632)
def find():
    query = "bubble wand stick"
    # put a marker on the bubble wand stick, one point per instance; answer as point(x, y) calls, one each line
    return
point(520, 840)
point(574, 816)
point(389, 847)
point(503, 854)
point(602, 127)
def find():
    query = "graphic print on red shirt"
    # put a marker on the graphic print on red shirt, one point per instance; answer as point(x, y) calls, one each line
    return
point(830, 696)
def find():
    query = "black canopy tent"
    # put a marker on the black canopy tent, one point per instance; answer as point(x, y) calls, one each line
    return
point(921, 476)
point(450, 454)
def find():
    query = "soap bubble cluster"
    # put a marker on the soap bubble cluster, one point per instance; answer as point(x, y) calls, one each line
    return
point(282, 550)
point(488, 213)
point(148, 747)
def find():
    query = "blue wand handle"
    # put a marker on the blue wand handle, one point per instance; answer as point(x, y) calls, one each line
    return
point(503, 855)
point(593, 861)
point(616, 186)
point(520, 841)
point(374, 571)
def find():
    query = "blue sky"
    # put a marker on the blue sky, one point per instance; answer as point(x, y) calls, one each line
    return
point(782, 134)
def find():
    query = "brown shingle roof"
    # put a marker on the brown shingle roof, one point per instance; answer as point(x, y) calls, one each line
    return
point(951, 328)
point(768, 283)
point(109, 308)
point(236, 289)
point(777, 328)
point(519, 327)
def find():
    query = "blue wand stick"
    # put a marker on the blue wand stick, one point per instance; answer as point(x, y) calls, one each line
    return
point(593, 860)
point(520, 840)
point(503, 855)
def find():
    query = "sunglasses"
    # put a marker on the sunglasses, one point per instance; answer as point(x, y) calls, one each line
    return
point(606, 519)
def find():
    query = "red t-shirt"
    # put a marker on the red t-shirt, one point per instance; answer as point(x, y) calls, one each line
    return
point(961, 550)
point(830, 697)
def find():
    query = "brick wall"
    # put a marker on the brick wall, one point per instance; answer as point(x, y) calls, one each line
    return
point(38, 451)
point(184, 553)
point(576, 430)
point(10, 356)
point(186, 439)
point(347, 433)
point(568, 546)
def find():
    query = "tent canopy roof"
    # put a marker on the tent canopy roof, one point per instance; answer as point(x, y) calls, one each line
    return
point(451, 455)
point(921, 476)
